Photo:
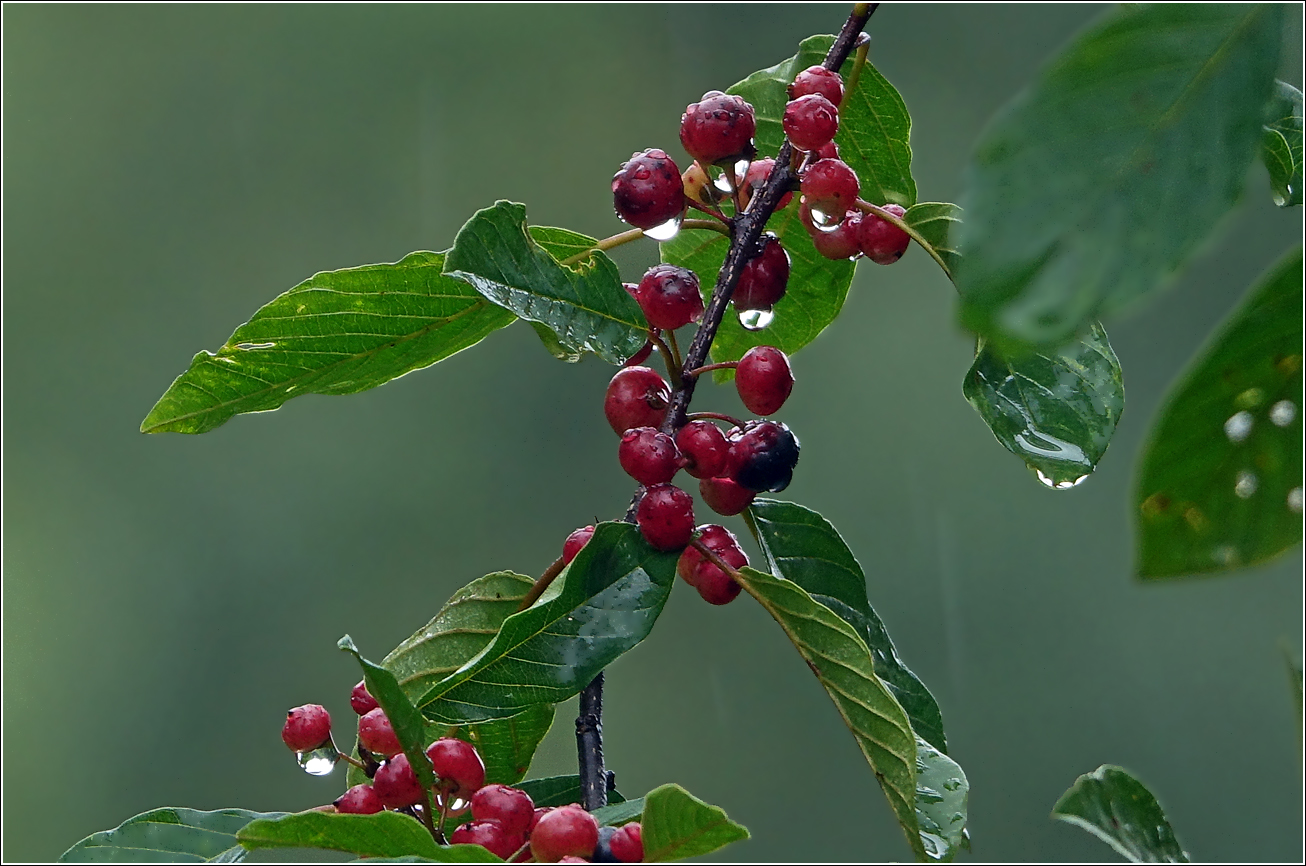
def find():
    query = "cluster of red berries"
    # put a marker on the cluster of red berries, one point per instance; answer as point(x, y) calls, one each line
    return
point(504, 820)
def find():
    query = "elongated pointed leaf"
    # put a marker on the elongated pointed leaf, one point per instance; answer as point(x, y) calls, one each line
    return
point(602, 605)
point(384, 834)
point(338, 332)
point(843, 665)
point(939, 224)
point(1220, 484)
point(1118, 809)
point(802, 546)
point(1055, 410)
point(615, 814)
point(676, 825)
point(1100, 180)
point(559, 791)
point(942, 794)
point(170, 835)
point(1281, 145)
point(583, 304)
point(407, 722)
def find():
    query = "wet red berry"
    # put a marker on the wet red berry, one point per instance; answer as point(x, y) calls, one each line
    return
point(718, 127)
point(818, 79)
point(755, 177)
point(377, 734)
point(566, 831)
point(881, 241)
point(725, 496)
point(830, 188)
point(648, 456)
point(627, 843)
point(458, 765)
point(306, 727)
point(764, 379)
point(359, 800)
point(647, 191)
point(810, 121)
point(705, 447)
point(763, 280)
point(829, 150)
point(490, 835)
point(575, 542)
point(509, 806)
point(763, 456)
point(361, 700)
point(839, 242)
point(396, 783)
point(669, 297)
point(665, 517)
point(712, 583)
point(636, 397)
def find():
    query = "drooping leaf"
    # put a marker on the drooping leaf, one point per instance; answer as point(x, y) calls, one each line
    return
point(384, 834)
point(407, 722)
point(1056, 410)
point(1118, 809)
point(802, 546)
point(942, 791)
point(1100, 180)
point(170, 835)
point(676, 825)
point(1220, 484)
point(1281, 144)
point(938, 222)
point(338, 332)
point(583, 304)
point(839, 658)
point(559, 791)
point(617, 813)
point(602, 605)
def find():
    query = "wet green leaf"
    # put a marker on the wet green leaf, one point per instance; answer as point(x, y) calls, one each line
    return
point(802, 546)
point(1281, 144)
point(676, 825)
point(559, 791)
point(942, 810)
point(338, 332)
point(1094, 185)
point(602, 605)
point(1118, 809)
point(1220, 484)
point(1055, 410)
point(938, 222)
point(169, 835)
point(384, 834)
point(407, 722)
point(584, 304)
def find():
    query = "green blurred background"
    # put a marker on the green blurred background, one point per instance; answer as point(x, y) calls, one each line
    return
point(166, 598)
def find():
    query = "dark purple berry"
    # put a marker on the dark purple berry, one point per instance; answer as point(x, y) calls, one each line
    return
point(377, 734)
point(881, 241)
point(669, 297)
point(818, 79)
point(306, 727)
point(665, 517)
point(647, 191)
point(725, 496)
point(361, 700)
point(359, 800)
point(636, 397)
point(575, 542)
point(705, 447)
point(718, 127)
point(511, 807)
point(458, 765)
point(839, 242)
point(490, 835)
point(763, 456)
point(810, 121)
point(603, 850)
point(648, 456)
point(764, 379)
point(830, 187)
point(396, 784)
point(764, 279)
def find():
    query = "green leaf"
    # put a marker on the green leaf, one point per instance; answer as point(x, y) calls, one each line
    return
point(1055, 410)
point(408, 724)
point(384, 834)
point(839, 658)
point(508, 745)
point(938, 223)
point(583, 304)
point(1281, 144)
point(942, 791)
point(338, 332)
point(170, 835)
point(1098, 182)
point(559, 791)
point(1118, 809)
point(802, 546)
point(676, 825)
point(1220, 484)
point(602, 605)
point(617, 813)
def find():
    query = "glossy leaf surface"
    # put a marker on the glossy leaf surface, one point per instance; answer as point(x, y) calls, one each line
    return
point(802, 546)
point(938, 223)
point(676, 825)
point(603, 604)
point(170, 835)
point(1220, 484)
point(559, 791)
point(338, 332)
point(942, 810)
point(1118, 809)
point(1094, 185)
point(1281, 144)
point(1056, 410)
point(583, 304)
point(407, 722)
point(384, 834)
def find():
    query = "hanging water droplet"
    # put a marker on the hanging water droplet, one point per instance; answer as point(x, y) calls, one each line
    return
point(722, 183)
point(1238, 427)
point(1283, 413)
point(666, 231)
point(319, 762)
point(1245, 486)
point(1048, 482)
point(755, 320)
point(1295, 499)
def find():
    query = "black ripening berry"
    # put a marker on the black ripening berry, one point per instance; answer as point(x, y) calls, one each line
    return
point(763, 456)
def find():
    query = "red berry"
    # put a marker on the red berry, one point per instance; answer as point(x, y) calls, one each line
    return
point(669, 297)
point(636, 397)
point(718, 127)
point(396, 783)
point(810, 121)
point(764, 379)
point(509, 806)
point(377, 734)
point(755, 177)
point(306, 727)
point(830, 188)
point(725, 496)
point(882, 241)
point(361, 699)
point(575, 542)
point(648, 456)
point(763, 456)
point(490, 835)
point(459, 766)
point(359, 800)
point(570, 859)
point(566, 831)
point(539, 813)
point(829, 150)
point(666, 517)
point(628, 843)
point(818, 79)
point(705, 447)
point(764, 279)
point(839, 242)
point(712, 583)
point(647, 191)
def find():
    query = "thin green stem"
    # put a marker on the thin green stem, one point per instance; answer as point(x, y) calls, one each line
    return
point(635, 234)
point(859, 60)
point(724, 365)
point(888, 217)
point(675, 350)
point(351, 760)
point(715, 416)
point(537, 589)
point(426, 818)
point(672, 360)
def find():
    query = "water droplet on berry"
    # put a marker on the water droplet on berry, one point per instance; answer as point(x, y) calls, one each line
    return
point(756, 320)
point(721, 183)
point(1238, 427)
point(1053, 484)
point(666, 231)
point(319, 762)
point(823, 221)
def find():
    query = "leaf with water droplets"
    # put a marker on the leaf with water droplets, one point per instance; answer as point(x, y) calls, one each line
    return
point(169, 835)
point(942, 807)
point(676, 825)
point(1094, 185)
point(1281, 144)
point(1118, 809)
point(1056, 410)
point(1220, 483)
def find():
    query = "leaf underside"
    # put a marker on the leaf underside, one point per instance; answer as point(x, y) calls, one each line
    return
point(1281, 145)
point(1118, 809)
point(169, 835)
point(676, 825)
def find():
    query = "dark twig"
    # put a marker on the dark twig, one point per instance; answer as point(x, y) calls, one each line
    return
point(589, 746)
